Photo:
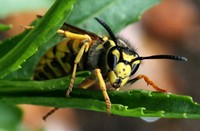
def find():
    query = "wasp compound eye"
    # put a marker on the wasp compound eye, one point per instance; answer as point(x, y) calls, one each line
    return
point(113, 57)
point(112, 60)
point(134, 68)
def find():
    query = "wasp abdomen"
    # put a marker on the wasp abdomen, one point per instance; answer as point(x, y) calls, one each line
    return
point(58, 61)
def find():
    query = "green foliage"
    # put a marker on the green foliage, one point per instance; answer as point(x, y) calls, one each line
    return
point(4, 27)
point(10, 117)
point(134, 103)
point(19, 54)
point(42, 33)
point(116, 13)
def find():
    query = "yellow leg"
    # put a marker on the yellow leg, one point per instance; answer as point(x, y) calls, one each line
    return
point(149, 82)
point(76, 61)
point(27, 27)
point(85, 47)
point(104, 90)
point(69, 34)
point(87, 84)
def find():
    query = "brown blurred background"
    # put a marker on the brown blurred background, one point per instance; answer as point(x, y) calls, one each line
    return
point(172, 27)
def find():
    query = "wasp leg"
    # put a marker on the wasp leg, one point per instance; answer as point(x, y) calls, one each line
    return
point(75, 36)
point(84, 48)
point(76, 61)
point(49, 113)
point(87, 84)
point(69, 34)
point(104, 90)
point(148, 81)
point(27, 27)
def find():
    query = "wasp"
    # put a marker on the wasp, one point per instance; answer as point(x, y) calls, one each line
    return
point(110, 59)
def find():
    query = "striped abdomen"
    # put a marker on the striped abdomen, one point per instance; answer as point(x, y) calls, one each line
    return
point(59, 60)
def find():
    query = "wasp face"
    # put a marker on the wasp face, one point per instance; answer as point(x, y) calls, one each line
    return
point(122, 65)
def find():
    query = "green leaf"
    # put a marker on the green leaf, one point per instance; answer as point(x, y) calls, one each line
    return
point(103, 9)
point(116, 13)
point(9, 87)
point(45, 30)
point(72, 19)
point(26, 72)
point(133, 103)
point(8, 44)
point(4, 27)
point(11, 117)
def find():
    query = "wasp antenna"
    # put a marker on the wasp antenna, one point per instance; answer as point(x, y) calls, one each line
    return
point(108, 29)
point(171, 57)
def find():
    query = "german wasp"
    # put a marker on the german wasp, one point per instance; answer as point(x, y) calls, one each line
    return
point(110, 59)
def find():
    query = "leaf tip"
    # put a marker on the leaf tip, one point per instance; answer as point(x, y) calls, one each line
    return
point(185, 115)
point(149, 94)
point(142, 110)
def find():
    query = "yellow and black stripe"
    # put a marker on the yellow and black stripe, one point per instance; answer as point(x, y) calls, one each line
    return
point(59, 60)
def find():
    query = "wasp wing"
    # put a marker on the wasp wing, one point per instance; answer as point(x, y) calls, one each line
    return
point(77, 30)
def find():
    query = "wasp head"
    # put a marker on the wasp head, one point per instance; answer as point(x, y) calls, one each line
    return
point(122, 65)
point(124, 62)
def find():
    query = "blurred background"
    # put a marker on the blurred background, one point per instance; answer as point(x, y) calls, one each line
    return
point(172, 27)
